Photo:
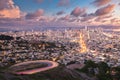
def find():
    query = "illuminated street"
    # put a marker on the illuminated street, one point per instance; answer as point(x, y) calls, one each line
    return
point(50, 65)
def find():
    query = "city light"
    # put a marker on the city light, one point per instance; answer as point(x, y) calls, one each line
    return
point(82, 43)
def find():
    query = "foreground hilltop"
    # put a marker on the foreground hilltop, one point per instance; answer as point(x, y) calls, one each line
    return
point(59, 73)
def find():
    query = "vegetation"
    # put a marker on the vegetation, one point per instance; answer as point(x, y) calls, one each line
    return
point(2, 77)
point(58, 73)
point(16, 78)
point(100, 70)
point(6, 37)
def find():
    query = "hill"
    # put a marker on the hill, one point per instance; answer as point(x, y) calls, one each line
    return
point(59, 73)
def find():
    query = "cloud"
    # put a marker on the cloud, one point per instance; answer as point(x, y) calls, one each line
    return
point(10, 13)
point(105, 10)
point(35, 15)
point(66, 18)
point(78, 11)
point(119, 4)
point(63, 2)
point(106, 17)
point(115, 20)
point(60, 13)
point(42, 1)
point(86, 19)
point(9, 10)
point(6, 4)
point(39, 1)
point(99, 15)
point(100, 2)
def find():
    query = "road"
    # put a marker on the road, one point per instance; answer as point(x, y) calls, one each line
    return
point(50, 65)
point(75, 66)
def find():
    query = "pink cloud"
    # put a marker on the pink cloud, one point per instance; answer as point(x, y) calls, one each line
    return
point(101, 2)
point(40, 1)
point(6, 4)
point(63, 2)
point(105, 10)
point(35, 15)
point(9, 10)
point(67, 17)
point(105, 17)
point(87, 18)
point(115, 20)
point(78, 11)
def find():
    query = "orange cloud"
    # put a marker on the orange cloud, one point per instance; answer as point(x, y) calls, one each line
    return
point(9, 10)
point(10, 13)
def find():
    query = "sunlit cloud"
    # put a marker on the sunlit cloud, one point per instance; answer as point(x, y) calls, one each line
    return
point(63, 3)
point(66, 18)
point(104, 13)
point(105, 10)
point(9, 10)
point(78, 11)
point(100, 2)
point(35, 15)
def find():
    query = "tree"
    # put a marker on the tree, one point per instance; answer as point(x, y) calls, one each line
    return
point(90, 63)
point(6, 37)
point(103, 67)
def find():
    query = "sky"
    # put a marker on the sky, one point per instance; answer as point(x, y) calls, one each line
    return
point(25, 14)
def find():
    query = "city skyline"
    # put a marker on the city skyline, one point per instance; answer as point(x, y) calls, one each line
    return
point(18, 14)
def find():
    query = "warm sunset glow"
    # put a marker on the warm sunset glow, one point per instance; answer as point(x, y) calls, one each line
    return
point(59, 13)
point(54, 59)
point(12, 13)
